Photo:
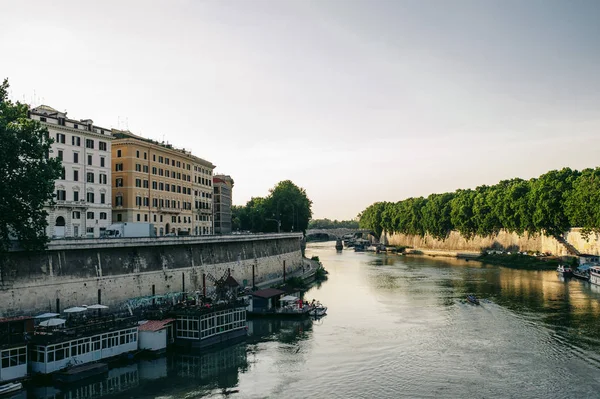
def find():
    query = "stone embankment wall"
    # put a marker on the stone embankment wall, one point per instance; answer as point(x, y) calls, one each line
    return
point(80, 271)
point(504, 240)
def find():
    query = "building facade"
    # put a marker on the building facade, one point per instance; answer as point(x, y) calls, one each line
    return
point(83, 193)
point(156, 183)
point(223, 189)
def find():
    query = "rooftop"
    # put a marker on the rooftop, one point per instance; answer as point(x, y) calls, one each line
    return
point(268, 293)
point(155, 325)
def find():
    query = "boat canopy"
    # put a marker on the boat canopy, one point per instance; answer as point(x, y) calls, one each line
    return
point(289, 298)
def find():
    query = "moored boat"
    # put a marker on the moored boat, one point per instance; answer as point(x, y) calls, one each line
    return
point(582, 272)
point(472, 299)
point(10, 388)
point(595, 275)
point(564, 271)
point(80, 372)
point(318, 310)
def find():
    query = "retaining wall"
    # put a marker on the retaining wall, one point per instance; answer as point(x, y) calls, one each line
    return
point(80, 271)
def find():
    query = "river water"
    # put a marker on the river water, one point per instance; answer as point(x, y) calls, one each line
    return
point(396, 327)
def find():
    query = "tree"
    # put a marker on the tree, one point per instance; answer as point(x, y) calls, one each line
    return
point(28, 174)
point(289, 205)
point(287, 208)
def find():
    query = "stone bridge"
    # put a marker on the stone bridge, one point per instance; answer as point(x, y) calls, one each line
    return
point(334, 234)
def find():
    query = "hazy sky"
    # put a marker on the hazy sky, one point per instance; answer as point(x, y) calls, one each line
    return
point(356, 101)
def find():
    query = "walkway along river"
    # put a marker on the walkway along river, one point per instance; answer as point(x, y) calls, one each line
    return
point(399, 327)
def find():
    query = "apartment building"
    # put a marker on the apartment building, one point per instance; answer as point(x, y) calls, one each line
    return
point(223, 188)
point(83, 193)
point(156, 183)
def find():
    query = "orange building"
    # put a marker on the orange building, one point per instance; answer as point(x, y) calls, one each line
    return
point(155, 183)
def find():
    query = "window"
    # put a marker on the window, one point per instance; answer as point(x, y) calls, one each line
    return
point(138, 201)
point(75, 126)
point(145, 167)
point(90, 197)
point(102, 159)
point(155, 203)
point(42, 119)
point(154, 157)
point(138, 182)
point(118, 153)
point(89, 143)
point(102, 179)
point(119, 216)
point(161, 186)
point(138, 217)
point(90, 177)
point(154, 170)
point(145, 155)
point(167, 187)
point(60, 138)
point(119, 182)
point(90, 159)
point(90, 215)
point(102, 145)
point(154, 218)
point(63, 173)
point(75, 175)
point(119, 200)
point(61, 195)
point(75, 195)
point(76, 141)
point(138, 167)
point(160, 159)
point(145, 183)
point(137, 154)
point(119, 167)
point(167, 173)
point(102, 215)
point(146, 202)
point(161, 172)
point(145, 218)
point(60, 155)
point(75, 157)
point(161, 218)
point(154, 185)
point(102, 198)
point(76, 215)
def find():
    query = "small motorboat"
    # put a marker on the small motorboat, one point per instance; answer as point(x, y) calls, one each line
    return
point(472, 299)
point(319, 311)
point(564, 271)
point(10, 388)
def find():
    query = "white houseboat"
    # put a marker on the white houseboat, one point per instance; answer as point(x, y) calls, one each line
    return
point(54, 351)
point(13, 347)
point(595, 275)
point(201, 327)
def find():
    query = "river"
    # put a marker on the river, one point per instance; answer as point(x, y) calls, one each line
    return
point(396, 327)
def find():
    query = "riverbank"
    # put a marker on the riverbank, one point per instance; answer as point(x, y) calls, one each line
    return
point(518, 261)
point(514, 261)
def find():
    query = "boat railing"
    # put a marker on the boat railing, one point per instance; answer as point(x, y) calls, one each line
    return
point(78, 329)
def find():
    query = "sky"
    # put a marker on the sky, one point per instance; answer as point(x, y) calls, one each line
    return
point(354, 101)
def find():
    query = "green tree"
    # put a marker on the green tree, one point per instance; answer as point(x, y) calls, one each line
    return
point(289, 205)
point(548, 195)
point(582, 203)
point(28, 174)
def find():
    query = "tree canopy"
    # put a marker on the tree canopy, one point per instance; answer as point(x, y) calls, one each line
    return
point(332, 224)
point(286, 208)
point(550, 204)
point(28, 174)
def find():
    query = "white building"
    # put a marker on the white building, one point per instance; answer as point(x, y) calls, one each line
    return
point(83, 193)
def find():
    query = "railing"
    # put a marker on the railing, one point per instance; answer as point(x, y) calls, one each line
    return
point(43, 336)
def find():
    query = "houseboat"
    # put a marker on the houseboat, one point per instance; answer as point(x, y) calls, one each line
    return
point(204, 325)
point(80, 343)
point(595, 275)
point(13, 347)
point(272, 302)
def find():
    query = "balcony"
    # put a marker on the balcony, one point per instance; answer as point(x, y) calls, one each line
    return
point(169, 210)
point(71, 204)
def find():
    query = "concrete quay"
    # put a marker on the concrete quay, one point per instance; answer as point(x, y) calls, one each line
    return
point(112, 271)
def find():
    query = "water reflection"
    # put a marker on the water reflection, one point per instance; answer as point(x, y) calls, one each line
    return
point(570, 307)
point(216, 371)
